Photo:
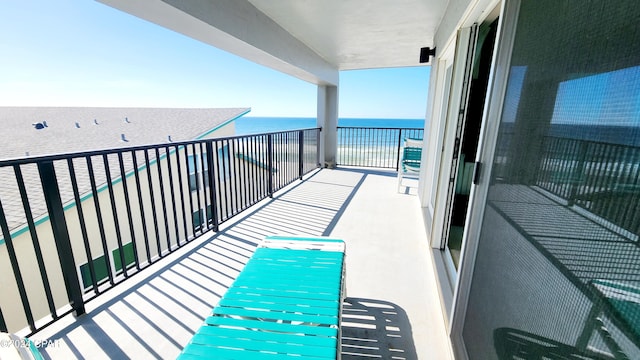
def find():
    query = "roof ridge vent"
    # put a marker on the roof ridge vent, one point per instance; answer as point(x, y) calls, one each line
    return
point(40, 125)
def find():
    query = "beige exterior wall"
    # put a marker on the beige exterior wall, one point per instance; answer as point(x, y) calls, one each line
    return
point(10, 301)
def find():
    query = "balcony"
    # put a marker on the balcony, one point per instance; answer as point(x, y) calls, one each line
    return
point(392, 309)
point(191, 214)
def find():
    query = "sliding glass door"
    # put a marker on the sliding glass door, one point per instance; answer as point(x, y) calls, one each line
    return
point(556, 266)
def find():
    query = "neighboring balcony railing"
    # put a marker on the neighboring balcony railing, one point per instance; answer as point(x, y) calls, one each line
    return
point(75, 225)
point(373, 147)
point(600, 177)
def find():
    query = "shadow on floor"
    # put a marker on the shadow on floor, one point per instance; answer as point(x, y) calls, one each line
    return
point(375, 329)
point(156, 316)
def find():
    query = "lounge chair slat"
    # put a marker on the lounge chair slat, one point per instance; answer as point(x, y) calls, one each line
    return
point(308, 310)
point(207, 352)
point(305, 254)
point(290, 294)
point(250, 298)
point(294, 270)
point(301, 339)
point(288, 290)
point(294, 253)
point(315, 263)
point(290, 278)
point(257, 284)
point(262, 345)
point(272, 326)
point(276, 315)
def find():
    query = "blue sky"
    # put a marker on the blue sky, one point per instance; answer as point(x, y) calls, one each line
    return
point(611, 98)
point(84, 53)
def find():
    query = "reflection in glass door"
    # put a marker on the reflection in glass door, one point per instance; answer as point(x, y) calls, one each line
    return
point(557, 268)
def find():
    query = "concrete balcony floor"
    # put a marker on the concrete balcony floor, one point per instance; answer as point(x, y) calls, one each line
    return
point(392, 309)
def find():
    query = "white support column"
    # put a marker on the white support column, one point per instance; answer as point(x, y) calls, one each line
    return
point(328, 121)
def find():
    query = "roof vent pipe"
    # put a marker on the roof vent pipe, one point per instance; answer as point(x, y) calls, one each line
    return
point(95, 122)
point(77, 125)
point(169, 138)
point(126, 119)
point(40, 126)
point(123, 138)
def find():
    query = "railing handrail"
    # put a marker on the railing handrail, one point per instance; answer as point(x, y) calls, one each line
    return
point(581, 171)
point(597, 142)
point(379, 128)
point(65, 155)
point(373, 146)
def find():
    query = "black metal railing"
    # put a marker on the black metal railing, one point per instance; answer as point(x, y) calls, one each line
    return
point(600, 177)
point(373, 147)
point(75, 225)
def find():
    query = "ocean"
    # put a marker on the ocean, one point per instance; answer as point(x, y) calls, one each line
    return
point(619, 135)
point(256, 125)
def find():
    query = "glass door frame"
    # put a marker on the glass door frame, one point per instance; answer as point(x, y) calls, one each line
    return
point(494, 102)
point(455, 58)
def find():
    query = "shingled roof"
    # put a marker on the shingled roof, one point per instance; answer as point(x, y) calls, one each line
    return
point(34, 131)
point(82, 128)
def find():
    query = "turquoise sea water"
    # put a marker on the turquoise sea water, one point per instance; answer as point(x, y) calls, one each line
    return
point(255, 125)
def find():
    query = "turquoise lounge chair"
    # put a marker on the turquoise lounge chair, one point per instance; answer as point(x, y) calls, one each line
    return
point(409, 162)
point(286, 303)
point(618, 301)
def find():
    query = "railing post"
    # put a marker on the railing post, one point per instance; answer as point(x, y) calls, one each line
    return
point(3, 324)
point(318, 147)
point(577, 173)
point(270, 164)
point(61, 235)
point(13, 259)
point(212, 186)
point(398, 149)
point(301, 153)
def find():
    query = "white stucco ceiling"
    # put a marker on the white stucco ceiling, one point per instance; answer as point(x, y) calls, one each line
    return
point(309, 39)
point(359, 34)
